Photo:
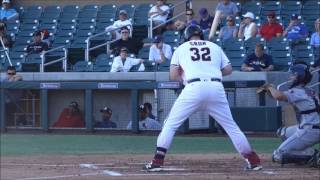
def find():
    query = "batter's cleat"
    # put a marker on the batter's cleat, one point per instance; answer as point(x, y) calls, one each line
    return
point(253, 162)
point(154, 166)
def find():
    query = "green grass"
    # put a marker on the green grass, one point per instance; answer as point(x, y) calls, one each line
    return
point(25, 144)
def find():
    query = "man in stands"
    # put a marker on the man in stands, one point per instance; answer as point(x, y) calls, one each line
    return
point(271, 28)
point(159, 14)
point(123, 63)
point(181, 25)
point(149, 110)
point(145, 122)
point(38, 45)
point(227, 8)
point(106, 122)
point(258, 61)
point(125, 41)
point(7, 13)
point(295, 30)
point(123, 21)
point(159, 51)
point(70, 117)
point(206, 19)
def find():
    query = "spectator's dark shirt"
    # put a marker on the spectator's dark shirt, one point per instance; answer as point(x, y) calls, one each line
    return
point(206, 24)
point(37, 47)
point(257, 63)
point(132, 45)
point(7, 40)
point(106, 124)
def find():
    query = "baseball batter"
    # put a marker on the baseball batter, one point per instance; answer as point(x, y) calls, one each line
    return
point(300, 139)
point(200, 65)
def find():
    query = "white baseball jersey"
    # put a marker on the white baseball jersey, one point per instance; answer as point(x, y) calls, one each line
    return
point(200, 59)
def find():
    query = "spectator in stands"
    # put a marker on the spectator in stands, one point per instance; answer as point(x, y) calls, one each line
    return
point(106, 122)
point(248, 27)
point(125, 41)
point(230, 30)
point(70, 117)
point(159, 14)
point(123, 21)
point(205, 19)
point(38, 45)
point(271, 28)
point(258, 61)
point(7, 13)
point(181, 25)
point(315, 37)
point(295, 30)
point(12, 97)
point(227, 8)
point(123, 63)
point(149, 110)
point(45, 36)
point(145, 123)
point(7, 41)
point(159, 51)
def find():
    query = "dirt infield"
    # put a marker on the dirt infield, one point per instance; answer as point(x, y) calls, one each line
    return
point(209, 166)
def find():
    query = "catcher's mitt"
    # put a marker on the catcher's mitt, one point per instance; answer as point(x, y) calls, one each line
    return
point(264, 88)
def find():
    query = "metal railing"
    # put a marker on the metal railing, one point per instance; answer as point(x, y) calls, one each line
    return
point(88, 49)
point(289, 81)
point(63, 59)
point(151, 28)
point(5, 50)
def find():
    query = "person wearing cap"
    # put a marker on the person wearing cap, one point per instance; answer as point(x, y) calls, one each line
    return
point(106, 122)
point(295, 30)
point(123, 21)
point(230, 30)
point(271, 28)
point(38, 45)
point(123, 63)
point(205, 19)
point(149, 110)
point(7, 40)
point(315, 42)
point(159, 51)
point(145, 122)
point(159, 14)
point(258, 61)
point(248, 27)
point(70, 117)
point(133, 46)
point(7, 13)
point(227, 8)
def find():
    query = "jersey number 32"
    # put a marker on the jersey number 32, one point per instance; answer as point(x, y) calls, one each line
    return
point(203, 54)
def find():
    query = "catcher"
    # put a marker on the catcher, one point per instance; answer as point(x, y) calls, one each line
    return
point(298, 141)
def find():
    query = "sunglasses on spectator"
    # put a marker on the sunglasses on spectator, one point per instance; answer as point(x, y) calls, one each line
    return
point(189, 14)
point(11, 73)
point(124, 32)
point(229, 20)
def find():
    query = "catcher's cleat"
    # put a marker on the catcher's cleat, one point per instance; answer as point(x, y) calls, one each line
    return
point(154, 166)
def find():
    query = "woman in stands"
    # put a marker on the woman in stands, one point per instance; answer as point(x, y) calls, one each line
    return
point(248, 27)
point(230, 30)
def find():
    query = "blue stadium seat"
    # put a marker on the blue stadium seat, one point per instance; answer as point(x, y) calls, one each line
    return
point(250, 44)
point(303, 52)
point(236, 58)
point(71, 9)
point(83, 66)
point(32, 63)
point(251, 6)
point(233, 44)
point(32, 12)
point(311, 8)
point(290, 7)
point(90, 7)
point(141, 14)
point(130, 8)
point(281, 59)
point(269, 6)
point(144, 53)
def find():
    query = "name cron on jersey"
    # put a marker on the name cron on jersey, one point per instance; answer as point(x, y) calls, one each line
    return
point(197, 43)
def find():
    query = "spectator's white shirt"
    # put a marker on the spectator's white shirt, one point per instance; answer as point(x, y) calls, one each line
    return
point(154, 53)
point(247, 31)
point(119, 23)
point(147, 124)
point(160, 18)
point(119, 66)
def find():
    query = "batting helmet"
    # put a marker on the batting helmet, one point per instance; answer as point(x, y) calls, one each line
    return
point(303, 75)
point(193, 30)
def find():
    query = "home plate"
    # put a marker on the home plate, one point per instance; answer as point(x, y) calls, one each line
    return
point(268, 172)
point(90, 166)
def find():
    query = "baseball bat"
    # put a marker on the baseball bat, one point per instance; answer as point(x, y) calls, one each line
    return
point(215, 24)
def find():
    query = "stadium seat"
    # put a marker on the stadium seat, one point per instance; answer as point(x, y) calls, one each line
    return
point(278, 44)
point(251, 6)
point(233, 44)
point(83, 66)
point(290, 7)
point(302, 52)
point(281, 59)
point(144, 53)
point(269, 6)
point(141, 14)
point(236, 58)
point(250, 44)
point(90, 7)
point(32, 63)
point(163, 67)
point(32, 12)
point(311, 8)
point(108, 11)
point(71, 9)
point(171, 36)
point(149, 66)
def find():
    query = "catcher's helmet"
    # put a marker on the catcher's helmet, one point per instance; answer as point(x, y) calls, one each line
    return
point(302, 72)
point(193, 30)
